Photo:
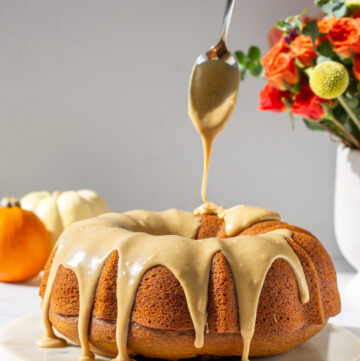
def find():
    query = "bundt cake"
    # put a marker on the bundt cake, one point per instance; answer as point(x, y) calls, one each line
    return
point(176, 285)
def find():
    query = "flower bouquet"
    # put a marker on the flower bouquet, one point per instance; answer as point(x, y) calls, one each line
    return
point(313, 69)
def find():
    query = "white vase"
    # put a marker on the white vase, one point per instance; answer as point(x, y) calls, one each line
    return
point(347, 214)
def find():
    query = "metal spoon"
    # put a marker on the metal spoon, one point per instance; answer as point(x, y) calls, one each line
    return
point(213, 89)
point(220, 51)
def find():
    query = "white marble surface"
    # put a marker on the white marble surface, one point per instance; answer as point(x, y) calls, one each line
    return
point(18, 300)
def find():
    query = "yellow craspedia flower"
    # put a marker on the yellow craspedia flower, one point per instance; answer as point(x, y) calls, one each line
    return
point(353, 5)
point(329, 79)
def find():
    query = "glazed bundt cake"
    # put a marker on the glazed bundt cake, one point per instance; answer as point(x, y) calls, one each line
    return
point(159, 322)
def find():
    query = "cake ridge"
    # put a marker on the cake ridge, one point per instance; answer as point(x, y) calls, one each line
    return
point(286, 237)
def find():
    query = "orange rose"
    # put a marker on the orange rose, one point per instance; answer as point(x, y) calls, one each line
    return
point(279, 66)
point(356, 67)
point(282, 71)
point(345, 36)
point(278, 48)
point(326, 24)
point(303, 49)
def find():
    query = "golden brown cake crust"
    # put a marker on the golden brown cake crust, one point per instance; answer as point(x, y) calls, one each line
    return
point(160, 310)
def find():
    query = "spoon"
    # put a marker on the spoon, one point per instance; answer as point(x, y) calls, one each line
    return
point(220, 51)
point(214, 85)
point(214, 77)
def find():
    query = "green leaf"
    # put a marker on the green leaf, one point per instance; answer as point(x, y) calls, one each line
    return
point(325, 49)
point(347, 61)
point(254, 53)
point(295, 89)
point(298, 19)
point(284, 25)
point(241, 57)
point(249, 62)
point(340, 11)
point(312, 125)
point(242, 62)
point(336, 8)
point(281, 25)
point(311, 29)
point(321, 2)
point(340, 114)
point(298, 23)
point(256, 68)
point(328, 7)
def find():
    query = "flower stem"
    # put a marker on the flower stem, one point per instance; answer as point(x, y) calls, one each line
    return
point(350, 111)
point(349, 136)
point(337, 135)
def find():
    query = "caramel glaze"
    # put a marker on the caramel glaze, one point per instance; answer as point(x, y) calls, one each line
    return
point(147, 239)
point(213, 91)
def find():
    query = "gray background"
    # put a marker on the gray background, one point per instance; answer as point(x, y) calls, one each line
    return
point(93, 94)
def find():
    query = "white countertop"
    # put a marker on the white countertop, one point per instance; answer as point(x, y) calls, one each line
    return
point(18, 300)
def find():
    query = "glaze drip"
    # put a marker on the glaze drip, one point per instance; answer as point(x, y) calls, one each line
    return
point(239, 217)
point(147, 239)
point(213, 91)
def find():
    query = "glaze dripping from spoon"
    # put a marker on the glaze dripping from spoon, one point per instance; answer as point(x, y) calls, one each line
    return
point(214, 85)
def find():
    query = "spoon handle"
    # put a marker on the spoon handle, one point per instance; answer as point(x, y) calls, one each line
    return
point(227, 18)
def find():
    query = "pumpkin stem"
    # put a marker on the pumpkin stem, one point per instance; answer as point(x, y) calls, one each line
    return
point(9, 202)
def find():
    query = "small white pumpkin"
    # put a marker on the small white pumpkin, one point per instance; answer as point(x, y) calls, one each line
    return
point(59, 209)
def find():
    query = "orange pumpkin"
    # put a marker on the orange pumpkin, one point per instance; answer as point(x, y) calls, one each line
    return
point(24, 242)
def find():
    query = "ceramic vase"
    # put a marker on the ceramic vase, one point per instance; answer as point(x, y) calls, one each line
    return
point(347, 214)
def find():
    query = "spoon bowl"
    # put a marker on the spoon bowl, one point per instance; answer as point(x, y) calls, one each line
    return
point(215, 77)
point(214, 85)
